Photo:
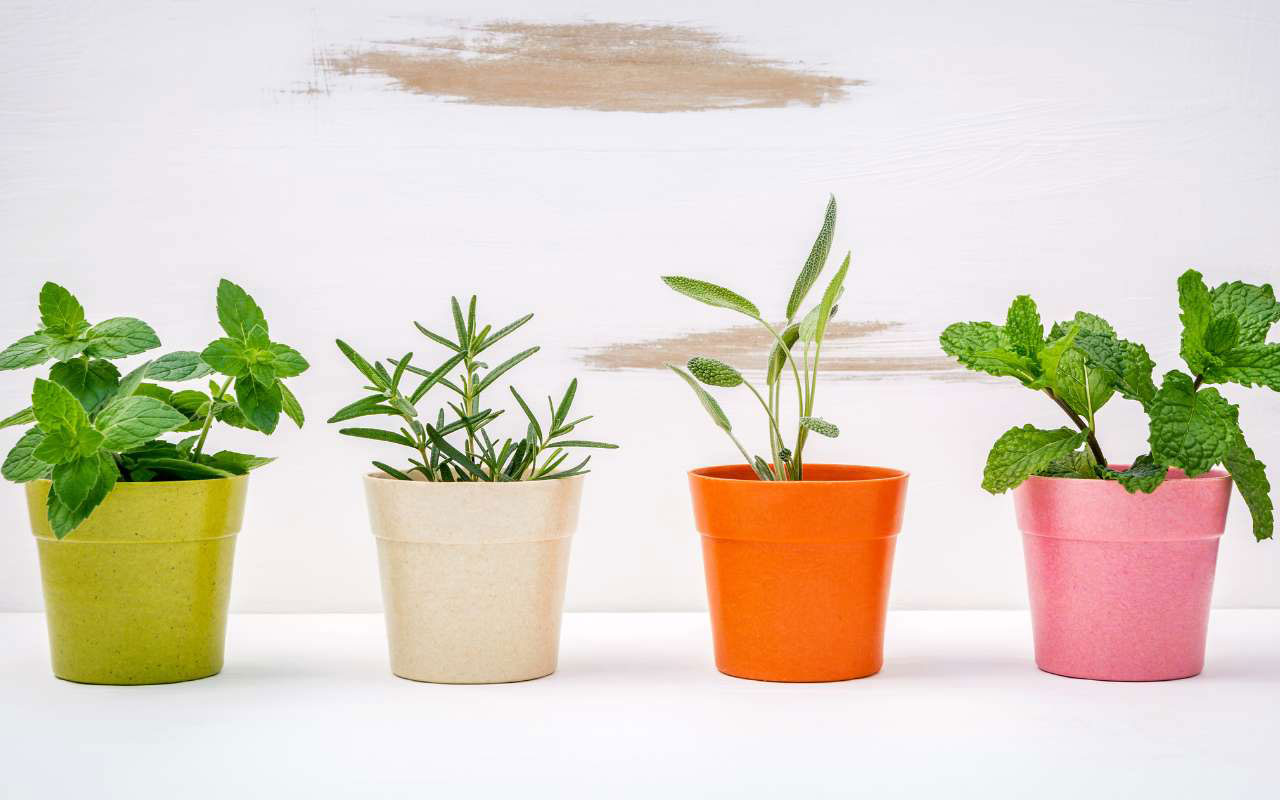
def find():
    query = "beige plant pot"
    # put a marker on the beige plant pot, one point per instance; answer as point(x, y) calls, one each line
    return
point(473, 575)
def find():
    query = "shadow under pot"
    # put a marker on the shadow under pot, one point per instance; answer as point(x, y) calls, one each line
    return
point(473, 575)
point(798, 571)
point(1120, 583)
point(138, 593)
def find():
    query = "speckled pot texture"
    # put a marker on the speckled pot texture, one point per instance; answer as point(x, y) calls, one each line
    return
point(138, 593)
point(1120, 583)
point(473, 575)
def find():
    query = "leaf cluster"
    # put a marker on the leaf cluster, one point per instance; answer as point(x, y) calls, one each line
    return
point(94, 426)
point(809, 331)
point(1081, 363)
point(454, 444)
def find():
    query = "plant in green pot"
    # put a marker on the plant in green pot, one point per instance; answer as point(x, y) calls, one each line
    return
point(1121, 556)
point(135, 514)
point(797, 555)
point(473, 528)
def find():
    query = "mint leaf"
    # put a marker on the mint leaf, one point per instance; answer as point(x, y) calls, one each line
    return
point(1253, 307)
point(133, 421)
point(56, 408)
point(91, 381)
point(815, 262)
point(1050, 357)
point(1022, 452)
point(1190, 429)
point(194, 406)
point(1023, 326)
point(29, 351)
point(238, 314)
point(260, 403)
point(1083, 387)
point(64, 350)
point(64, 514)
point(119, 337)
point(287, 362)
point(21, 465)
point(1222, 335)
point(983, 347)
point(74, 480)
point(1248, 365)
point(1144, 475)
point(712, 295)
point(1085, 322)
point(23, 417)
point(1197, 315)
point(178, 366)
point(229, 357)
point(1250, 476)
point(130, 383)
point(1127, 363)
point(60, 313)
point(237, 463)
point(1078, 464)
point(292, 408)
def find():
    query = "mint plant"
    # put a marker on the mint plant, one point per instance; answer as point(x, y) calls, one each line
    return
point(94, 427)
point(472, 455)
point(787, 463)
point(1082, 363)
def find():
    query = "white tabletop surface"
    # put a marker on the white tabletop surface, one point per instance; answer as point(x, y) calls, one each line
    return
point(307, 708)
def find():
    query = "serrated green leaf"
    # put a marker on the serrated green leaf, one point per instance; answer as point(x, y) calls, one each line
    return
point(820, 426)
point(1250, 477)
point(21, 465)
point(64, 350)
point(1247, 365)
point(23, 417)
point(1083, 387)
point(91, 381)
point(1222, 335)
point(290, 405)
point(181, 365)
point(261, 403)
point(286, 361)
point(29, 351)
point(815, 262)
point(1022, 452)
point(1197, 314)
point(708, 402)
point(119, 337)
point(1190, 429)
point(130, 383)
point(1253, 307)
point(1127, 363)
point(57, 409)
point(714, 373)
point(130, 422)
point(1144, 475)
point(238, 314)
point(1023, 327)
point(712, 295)
point(1078, 464)
point(1051, 355)
point(229, 357)
point(60, 313)
point(184, 469)
point(982, 347)
point(74, 481)
point(65, 516)
point(237, 463)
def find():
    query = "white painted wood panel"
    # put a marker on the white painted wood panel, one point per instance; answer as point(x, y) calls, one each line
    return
point(1085, 153)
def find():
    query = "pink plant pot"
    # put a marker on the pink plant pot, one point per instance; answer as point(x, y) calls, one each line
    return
point(1120, 583)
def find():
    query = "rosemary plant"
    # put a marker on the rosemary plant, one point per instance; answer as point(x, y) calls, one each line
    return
point(808, 331)
point(472, 454)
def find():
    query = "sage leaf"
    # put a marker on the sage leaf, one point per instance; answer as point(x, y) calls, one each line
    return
point(815, 262)
point(714, 373)
point(712, 295)
point(708, 402)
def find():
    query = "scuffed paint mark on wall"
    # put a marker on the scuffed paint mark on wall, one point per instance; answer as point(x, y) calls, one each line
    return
point(853, 349)
point(592, 66)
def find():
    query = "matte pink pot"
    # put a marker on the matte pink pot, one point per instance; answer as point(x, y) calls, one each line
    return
point(1120, 583)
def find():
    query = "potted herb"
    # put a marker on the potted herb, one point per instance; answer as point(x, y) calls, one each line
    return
point(136, 533)
point(473, 530)
point(1120, 557)
point(797, 555)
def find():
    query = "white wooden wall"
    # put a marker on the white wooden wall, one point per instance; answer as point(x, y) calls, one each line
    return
point(1083, 152)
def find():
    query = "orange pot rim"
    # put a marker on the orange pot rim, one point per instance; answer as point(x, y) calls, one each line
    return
point(748, 475)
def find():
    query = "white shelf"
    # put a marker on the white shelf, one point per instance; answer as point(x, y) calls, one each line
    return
point(307, 708)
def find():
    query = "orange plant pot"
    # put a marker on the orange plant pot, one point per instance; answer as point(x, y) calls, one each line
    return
point(798, 572)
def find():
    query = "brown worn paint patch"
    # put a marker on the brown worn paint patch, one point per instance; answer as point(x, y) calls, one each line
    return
point(747, 346)
point(594, 66)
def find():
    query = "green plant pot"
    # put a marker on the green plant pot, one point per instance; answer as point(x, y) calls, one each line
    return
point(138, 593)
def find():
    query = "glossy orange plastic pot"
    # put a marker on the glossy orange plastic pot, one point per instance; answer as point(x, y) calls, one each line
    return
point(798, 572)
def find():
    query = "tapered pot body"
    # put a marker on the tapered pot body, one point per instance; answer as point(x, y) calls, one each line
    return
point(473, 575)
point(798, 572)
point(138, 593)
point(1120, 583)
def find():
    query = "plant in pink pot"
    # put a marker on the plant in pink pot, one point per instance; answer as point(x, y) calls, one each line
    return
point(1120, 557)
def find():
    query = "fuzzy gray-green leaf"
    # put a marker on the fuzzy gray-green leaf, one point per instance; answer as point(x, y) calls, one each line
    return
point(714, 373)
point(712, 295)
point(815, 262)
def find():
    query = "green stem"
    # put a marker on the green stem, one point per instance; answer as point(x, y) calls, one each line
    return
point(208, 420)
point(1079, 423)
point(775, 436)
